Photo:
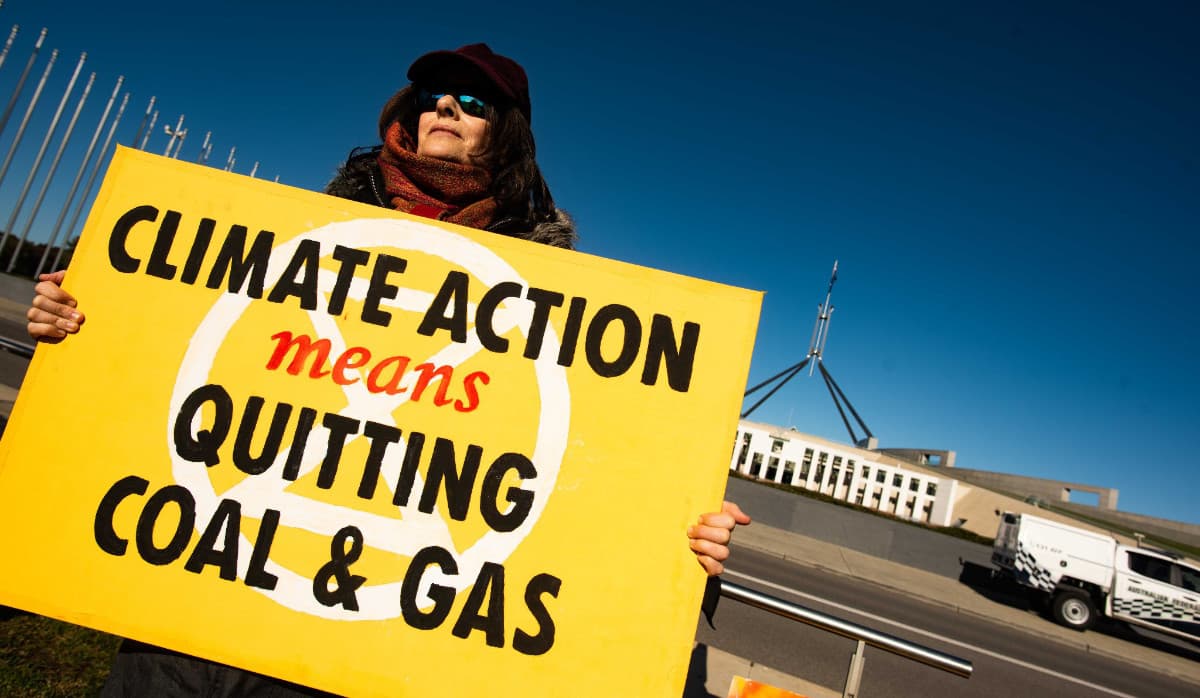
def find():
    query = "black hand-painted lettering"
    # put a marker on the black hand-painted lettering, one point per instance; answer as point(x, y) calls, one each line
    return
point(338, 569)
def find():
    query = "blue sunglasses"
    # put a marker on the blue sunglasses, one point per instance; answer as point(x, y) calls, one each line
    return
point(474, 106)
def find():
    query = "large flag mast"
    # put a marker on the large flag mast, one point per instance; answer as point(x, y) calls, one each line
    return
point(816, 350)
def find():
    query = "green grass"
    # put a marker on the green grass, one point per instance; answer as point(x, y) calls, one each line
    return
point(44, 657)
point(1157, 541)
point(952, 531)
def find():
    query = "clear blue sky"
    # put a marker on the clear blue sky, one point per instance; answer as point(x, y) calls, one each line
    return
point(1012, 191)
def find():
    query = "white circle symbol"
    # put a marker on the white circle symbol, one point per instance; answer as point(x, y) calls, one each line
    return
point(415, 530)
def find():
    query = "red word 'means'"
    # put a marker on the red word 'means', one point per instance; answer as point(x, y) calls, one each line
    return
point(384, 377)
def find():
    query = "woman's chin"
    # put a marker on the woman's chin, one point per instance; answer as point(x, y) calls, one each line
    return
point(454, 155)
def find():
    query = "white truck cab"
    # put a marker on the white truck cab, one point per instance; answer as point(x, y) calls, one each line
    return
point(1083, 573)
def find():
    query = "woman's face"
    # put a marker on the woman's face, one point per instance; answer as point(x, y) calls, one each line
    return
point(448, 133)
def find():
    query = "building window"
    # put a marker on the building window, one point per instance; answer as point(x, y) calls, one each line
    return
point(881, 477)
point(837, 461)
point(755, 464)
point(866, 472)
point(914, 485)
point(776, 446)
point(931, 489)
point(746, 438)
point(847, 477)
point(862, 492)
point(804, 468)
point(897, 480)
point(820, 474)
point(789, 468)
point(772, 467)
point(742, 455)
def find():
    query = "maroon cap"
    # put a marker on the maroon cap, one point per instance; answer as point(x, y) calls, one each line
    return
point(504, 73)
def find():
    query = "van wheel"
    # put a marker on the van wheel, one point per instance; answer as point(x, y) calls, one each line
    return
point(1074, 609)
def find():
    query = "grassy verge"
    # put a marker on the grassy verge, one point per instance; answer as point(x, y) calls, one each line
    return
point(44, 657)
point(1156, 541)
point(944, 530)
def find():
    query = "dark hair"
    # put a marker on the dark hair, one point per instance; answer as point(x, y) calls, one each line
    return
point(522, 197)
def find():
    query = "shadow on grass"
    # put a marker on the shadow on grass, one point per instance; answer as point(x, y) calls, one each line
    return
point(44, 657)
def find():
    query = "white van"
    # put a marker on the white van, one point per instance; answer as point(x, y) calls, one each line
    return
point(1083, 573)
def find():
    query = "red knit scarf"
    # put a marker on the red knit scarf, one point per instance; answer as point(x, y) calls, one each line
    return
point(434, 188)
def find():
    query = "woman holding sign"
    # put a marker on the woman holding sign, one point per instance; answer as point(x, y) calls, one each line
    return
point(456, 146)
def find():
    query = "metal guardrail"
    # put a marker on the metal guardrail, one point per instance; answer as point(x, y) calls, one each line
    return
point(864, 636)
point(23, 349)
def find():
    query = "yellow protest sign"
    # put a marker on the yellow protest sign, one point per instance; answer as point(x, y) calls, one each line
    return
point(370, 453)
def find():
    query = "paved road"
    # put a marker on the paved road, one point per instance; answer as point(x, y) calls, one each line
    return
point(822, 657)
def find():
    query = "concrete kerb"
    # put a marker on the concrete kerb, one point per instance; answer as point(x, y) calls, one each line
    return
point(913, 582)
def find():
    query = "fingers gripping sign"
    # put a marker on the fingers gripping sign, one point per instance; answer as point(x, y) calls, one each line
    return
point(710, 536)
point(52, 314)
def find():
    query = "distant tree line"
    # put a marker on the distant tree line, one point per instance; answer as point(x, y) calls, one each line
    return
point(31, 255)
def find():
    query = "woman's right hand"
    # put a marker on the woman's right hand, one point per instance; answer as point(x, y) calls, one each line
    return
point(53, 315)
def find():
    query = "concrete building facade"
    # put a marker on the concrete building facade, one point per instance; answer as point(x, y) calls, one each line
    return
point(843, 472)
point(1052, 491)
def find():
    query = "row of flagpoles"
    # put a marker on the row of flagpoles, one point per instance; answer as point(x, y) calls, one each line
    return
point(92, 156)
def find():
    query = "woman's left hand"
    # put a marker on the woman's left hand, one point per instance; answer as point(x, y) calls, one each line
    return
point(709, 537)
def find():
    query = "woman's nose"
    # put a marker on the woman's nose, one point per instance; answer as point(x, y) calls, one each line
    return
point(447, 105)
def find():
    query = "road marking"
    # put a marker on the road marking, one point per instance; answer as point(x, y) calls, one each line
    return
point(926, 633)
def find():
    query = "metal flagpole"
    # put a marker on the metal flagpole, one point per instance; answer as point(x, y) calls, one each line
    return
point(824, 315)
point(87, 158)
point(254, 170)
point(37, 162)
point(37, 93)
point(87, 189)
point(142, 126)
point(204, 148)
point(12, 102)
point(37, 202)
point(178, 132)
point(149, 130)
point(229, 162)
point(179, 144)
point(12, 36)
